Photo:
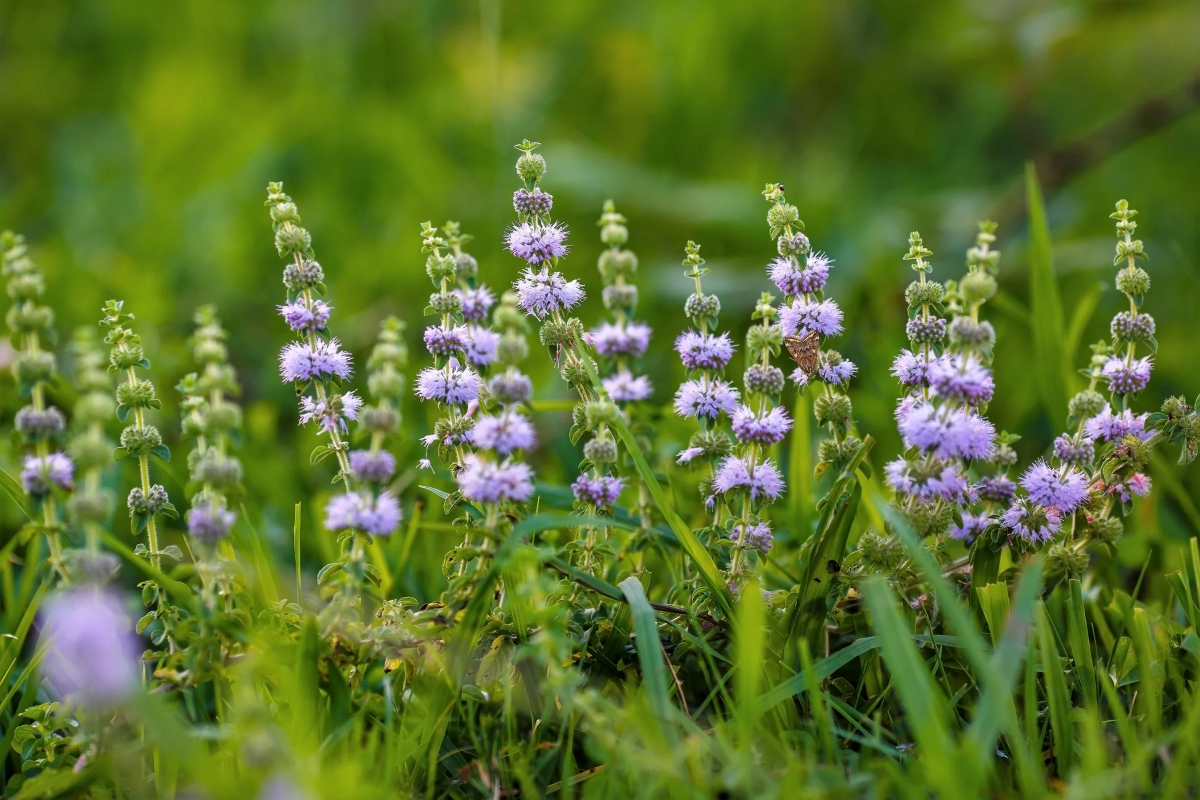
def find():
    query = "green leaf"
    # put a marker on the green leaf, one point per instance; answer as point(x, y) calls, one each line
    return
point(1081, 645)
point(649, 650)
point(1049, 335)
point(162, 452)
point(496, 662)
point(179, 592)
point(1085, 307)
point(1058, 697)
point(12, 487)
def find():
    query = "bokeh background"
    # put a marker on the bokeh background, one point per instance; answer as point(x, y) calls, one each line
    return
point(137, 138)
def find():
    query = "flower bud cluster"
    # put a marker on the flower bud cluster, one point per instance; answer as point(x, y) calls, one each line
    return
point(621, 340)
point(212, 420)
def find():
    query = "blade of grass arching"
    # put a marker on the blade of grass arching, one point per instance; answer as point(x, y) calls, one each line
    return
point(1045, 305)
point(1058, 697)
point(994, 601)
point(748, 664)
point(1130, 743)
point(923, 703)
point(1150, 670)
point(14, 643)
point(800, 471)
point(245, 539)
point(691, 545)
point(649, 650)
point(16, 493)
point(1085, 307)
point(1081, 645)
point(296, 554)
point(811, 608)
point(1181, 770)
point(817, 707)
point(34, 660)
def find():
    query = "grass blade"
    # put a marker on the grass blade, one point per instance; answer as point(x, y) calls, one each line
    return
point(649, 650)
point(1058, 697)
point(1049, 335)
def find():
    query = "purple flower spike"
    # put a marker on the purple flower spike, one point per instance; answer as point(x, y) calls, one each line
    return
point(542, 293)
point(912, 370)
point(948, 433)
point(972, 526)
point(706, 397)
point(704, 350)
point(963, 379)
point(623, 387)
point(602, 490)
point(763, 481)
point(997, 489)
point(486, 482)
point(768, 428)
point(802, 317)
point(481, 346)
point(758, 536)
point(505, 433)
point(453, 385)
point(307, 318)
point(476, 303)
point(1066, 490)
point(370, 466)
point(301, 361)
point(441, 341)
point(628, 339)
point(1108, 427)
point(210, 523)
point(537, 243)
point(358, 511)
point(40, 476)
point(1032, 522)
point(941, 481)
point(1127, 378)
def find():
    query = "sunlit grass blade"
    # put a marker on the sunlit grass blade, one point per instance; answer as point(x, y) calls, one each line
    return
point(1058, 697)
point(654, 669)
point(800, 470)
point(1049, 336)
point(1081, 645)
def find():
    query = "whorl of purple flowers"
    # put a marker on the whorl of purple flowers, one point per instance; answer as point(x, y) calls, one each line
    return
point(454, 385)
point(306, 318)
point(304, 361)
point(1127, 377)
point(484, 481)
point(599, 490)
point(441, 341)
point(476, 303)
point(946, 432)
point(621, 339)
point(761, 428)
point(481, 346)
point(912, 369)
point(945, 481)
point(40, 476)
point(1032, 522)
point(372, 466)
point(758, 536)
point(706, 397)
point(704, 350)
point(762, 482)
point(378, 516)
point(623, 387)
point(504, 433)
point(536, 243)
point(210, 522)
point(1108, 427)
point(1065, 489)
point(803, 316)
point(543, 293)
point(962, 378)
point(793, 279)
point(93, 655)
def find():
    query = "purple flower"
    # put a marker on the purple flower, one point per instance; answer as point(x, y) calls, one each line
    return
point(792, 279)
point(359, 511)
point(537, 243)
point(802, 316)
point(598, 490)
point(758, 536)
point(621, 339)
point(1108, 427)
point(1070, 451)
point(487, 482)
point(301, 361)
point(40, 476)
point(542, 293)
point(331, 413)
point(504, 433)
point(912, 370)
point(705, 397)
point(1138, 484)
point(1127, 378)
point(938, 481)
point(441, 341)
point(767, 428)
point(687, 455)
point(510, 387)
point(623, 387)
point(1065, 490)
point(763, 481)
point(210, 522)
point(1032, 522)
point(947, 432)
point(93, 654)
point(481, 346)
point(972, 526)
point(704, 350)
point(831, 373)
point(476, 303)
point(963, 379)
point(996, 488)
point(372, 466)
point(450, 385)
point(305, 317)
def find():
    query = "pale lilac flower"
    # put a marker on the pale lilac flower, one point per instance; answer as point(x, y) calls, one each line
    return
point(441, 341)
point(1065, 490)
point(382, 517)
point(93, 655)
point(912, 369)
point(504, 433)
point(40, 476)
point(301, 316)
point(687, 455)
point(1137, 484)
point(1069, 451)
point(1109, 427)
point(704, 350)
point(835, 374)
point(767, 428)
point(972, 525)
point(705, 397)
point(735, 474)
point(997, 488)
point(378, 516)
point(792, 279)
point(476, 303)
point(1032, 522)
point(36, 424)
point(481, 346)
point(424, 463)
point(487, 482)
point(455, 386)
point(537, 243)
point(598, 490)
point(369, 466)
point(758, 536)
point(301, 361)
point(621, 339)
point(542, 293)
point(331, 413)
point(944, 481)
point(1127, 378)
point(947, 432)
point(623, 387)
point(802, 316)
point(963, 379)
point(210, 522)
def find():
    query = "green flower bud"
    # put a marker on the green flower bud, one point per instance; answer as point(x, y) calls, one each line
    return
point(575, 373)
point(929, 519)
point(559, 333)
point(601, 450)
point(447, 303)
point(512, 348)
point(1131, 451)
point(761, 337)
point(91, 451)
point(832, 408)
point(1106, 529)
point(973, 335)
point(531, 167)
point(29, 317)
point(138, 441)
point(1063, 559)
point(386, 383)
point(928, 293)
point(713, 445)
point(222, 419)
point(305, 275)
point(89, 507)
point(614, 234)
point(32, 366)
point(1176, 408)
point(698, 306)
point(129, 354)
point(781, 216)
point(598, 411)
point(465, 266)
point(439, 268)
point(291, 239)
point(1087, 403)
point(137, 394)
point(380, 419)
point(976, 287)
point(26, 287)
point(94, 408)
point(454, 430)
point(218, 470)
point(880, 553)
point(1133, 281)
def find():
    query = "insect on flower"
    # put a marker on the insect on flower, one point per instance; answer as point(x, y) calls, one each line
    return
point(804, 350)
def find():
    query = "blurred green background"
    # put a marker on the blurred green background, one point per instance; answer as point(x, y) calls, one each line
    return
point(137, 139)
